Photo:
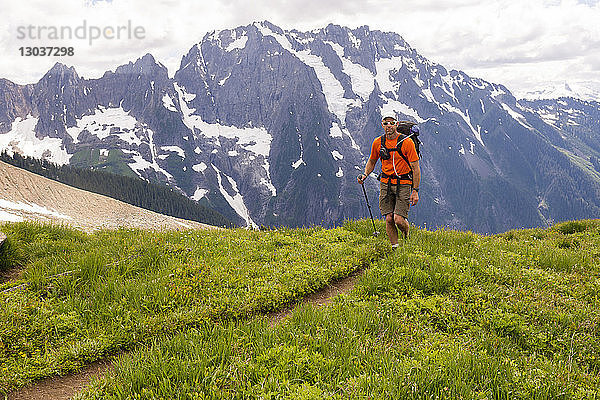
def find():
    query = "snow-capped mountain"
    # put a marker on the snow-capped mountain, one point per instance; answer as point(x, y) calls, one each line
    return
point(272, 127)
point(587, 91)
point(578, 122)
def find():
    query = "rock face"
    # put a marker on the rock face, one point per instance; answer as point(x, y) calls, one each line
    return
point(272, 127)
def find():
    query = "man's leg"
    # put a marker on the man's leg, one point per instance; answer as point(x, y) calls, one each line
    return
point(401, 209)
point(390, 228)
point(402, 224)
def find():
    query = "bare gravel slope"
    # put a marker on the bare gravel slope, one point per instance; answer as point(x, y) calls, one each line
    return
point(27, 196)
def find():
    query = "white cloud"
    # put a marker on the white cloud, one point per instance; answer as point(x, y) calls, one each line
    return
point(517, 43)
point(170, 29)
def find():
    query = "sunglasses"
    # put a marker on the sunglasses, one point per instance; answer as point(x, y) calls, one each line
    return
point(386, 123)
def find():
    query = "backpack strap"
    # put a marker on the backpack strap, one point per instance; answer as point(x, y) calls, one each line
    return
point(403, 177)
point(397, 178)
point(399, 151)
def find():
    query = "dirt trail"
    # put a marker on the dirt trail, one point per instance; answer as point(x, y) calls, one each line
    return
point(62, 387)
point(65, 387)
point(55, 202)
point(30, 197)
point(321, 297)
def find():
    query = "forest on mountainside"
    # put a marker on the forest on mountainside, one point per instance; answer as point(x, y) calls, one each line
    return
point(137, 192)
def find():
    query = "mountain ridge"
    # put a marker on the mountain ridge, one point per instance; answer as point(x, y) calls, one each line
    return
point(585, 91)
point(272, 126)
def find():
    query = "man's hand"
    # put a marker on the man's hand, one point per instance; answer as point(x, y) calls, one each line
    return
point(361, 178)
point(414, 198)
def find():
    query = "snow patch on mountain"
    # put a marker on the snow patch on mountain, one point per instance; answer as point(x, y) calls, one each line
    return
point(337, 132)
point(428, 95)
point(332, 88)
point(336, 155)
point(300, 160)
point(549, 117)
point(252, 139)
point(587, 91)
point(30, 208)
point(140, 164)
point(199, 167)
point(418, 80)
point(168, 103)
point(361, 79)
point(21, 139)
point(298, 163)
point(151, 144)
point(391, 107)
point(222, 81)
point(448, 86)
point(199, 193)
point(355, 41)
point(384, 68)
point(107, 122)
point(237, 200)
point(174, 149)
point(267, 182)
point(476, 132)
point(237, 44)
point(496, 91)
point(256, 140)
point(516, 116)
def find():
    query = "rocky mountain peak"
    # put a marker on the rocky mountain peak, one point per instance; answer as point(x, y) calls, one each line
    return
point(270, 26)
point(61, 74)
point(146, 65)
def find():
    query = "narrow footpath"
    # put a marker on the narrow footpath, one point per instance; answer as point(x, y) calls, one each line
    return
point(65, 387)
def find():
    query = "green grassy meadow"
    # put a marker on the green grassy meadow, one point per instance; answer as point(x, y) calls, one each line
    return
point(449, 315)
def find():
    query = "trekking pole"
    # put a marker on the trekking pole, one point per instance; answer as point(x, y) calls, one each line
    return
point(375, 233)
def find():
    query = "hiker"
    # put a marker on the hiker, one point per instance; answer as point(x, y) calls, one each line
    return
point(400, 176)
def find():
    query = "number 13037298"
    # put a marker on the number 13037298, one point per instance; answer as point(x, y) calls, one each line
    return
point(48, 51)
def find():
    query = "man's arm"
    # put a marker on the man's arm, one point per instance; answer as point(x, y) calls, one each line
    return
point(414, 196)
point(416, 174)
point(368, 169)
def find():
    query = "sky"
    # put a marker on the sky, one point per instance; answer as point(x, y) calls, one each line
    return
point(524, 45)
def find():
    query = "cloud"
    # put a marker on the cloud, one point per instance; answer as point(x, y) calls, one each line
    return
point(521, 43)
point(170, 28)
point(499, 40)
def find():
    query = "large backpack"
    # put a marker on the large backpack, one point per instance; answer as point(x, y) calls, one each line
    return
point(409, 130)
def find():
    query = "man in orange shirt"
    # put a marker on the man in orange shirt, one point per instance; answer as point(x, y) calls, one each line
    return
point(400, 177)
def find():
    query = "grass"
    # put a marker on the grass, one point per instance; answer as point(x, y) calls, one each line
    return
point(88, 296)
point(449, 315)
